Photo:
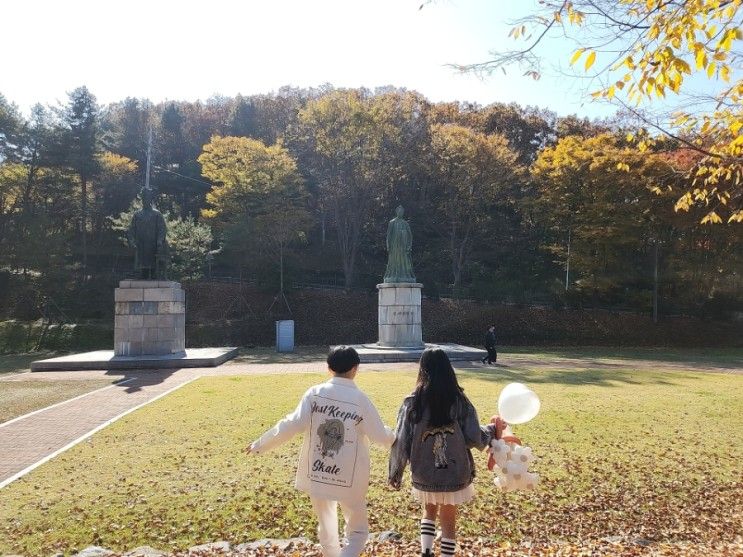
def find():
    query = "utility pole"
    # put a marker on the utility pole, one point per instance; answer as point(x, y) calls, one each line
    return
point(149, 156)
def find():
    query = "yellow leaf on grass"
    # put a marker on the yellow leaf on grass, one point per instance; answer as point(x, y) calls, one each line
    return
point(711, 217)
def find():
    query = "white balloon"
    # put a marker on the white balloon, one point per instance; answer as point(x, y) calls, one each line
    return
point(517, 404)
point(531, 480)
point(516, 481)
point(522, 454)
point(500, 450)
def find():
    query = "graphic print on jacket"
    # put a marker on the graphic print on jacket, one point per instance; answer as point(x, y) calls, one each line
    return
point(331, 433)
point(334, 442)
point(439, 444)
point(439, 459)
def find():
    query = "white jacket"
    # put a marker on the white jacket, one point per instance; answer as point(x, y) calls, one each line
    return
point(338, 422)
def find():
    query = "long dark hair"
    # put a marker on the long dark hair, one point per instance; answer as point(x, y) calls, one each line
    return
point(437, 389)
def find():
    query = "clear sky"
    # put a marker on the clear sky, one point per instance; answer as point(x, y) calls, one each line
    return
point(187, 50)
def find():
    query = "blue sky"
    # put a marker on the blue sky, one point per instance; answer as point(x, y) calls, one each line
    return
point(165, 49)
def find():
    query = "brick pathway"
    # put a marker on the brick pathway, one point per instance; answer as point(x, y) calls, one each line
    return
point(31, 440)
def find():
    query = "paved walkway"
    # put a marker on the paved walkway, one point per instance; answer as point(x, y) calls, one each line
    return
point(30, 440)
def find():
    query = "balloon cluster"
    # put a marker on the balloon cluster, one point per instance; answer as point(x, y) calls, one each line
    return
point(512, 466)
point(517, 404)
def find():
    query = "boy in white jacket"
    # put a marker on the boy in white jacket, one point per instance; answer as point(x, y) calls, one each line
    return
point(338, 422)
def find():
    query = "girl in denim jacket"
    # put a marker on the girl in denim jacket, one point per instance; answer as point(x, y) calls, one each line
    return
point(436, 428)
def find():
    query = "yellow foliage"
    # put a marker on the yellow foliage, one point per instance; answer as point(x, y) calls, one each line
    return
point(590, 60)
point(680, 40)
point(577, 55)
point(246, 175)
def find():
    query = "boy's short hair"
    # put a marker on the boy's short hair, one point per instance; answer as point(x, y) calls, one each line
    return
point(342, 359)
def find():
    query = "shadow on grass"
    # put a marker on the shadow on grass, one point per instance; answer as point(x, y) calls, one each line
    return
point(580, 377)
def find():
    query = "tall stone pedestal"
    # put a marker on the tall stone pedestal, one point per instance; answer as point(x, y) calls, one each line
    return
point(150, 318)
point(400, 315)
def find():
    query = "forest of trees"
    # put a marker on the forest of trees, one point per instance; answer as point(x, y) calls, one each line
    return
point(506, 203)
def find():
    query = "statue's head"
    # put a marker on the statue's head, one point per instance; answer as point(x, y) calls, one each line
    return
point(147, 195)
point(399, 211)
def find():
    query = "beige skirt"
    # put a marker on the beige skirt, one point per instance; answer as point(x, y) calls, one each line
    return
point(464, 495)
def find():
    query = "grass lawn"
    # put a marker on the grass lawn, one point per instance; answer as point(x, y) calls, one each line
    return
point(17, 363)
point(623, 452)
point(18, 397)
point(268, 355)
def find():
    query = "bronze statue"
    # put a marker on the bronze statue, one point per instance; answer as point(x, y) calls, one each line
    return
point(399, 246)
point(147, 236)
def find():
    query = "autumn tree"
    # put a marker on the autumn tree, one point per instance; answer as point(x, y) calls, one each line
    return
point(346, 134)
point(473, 172)
point(115, 185)
point(643, 53)
point(257, 202)
point(606, 227)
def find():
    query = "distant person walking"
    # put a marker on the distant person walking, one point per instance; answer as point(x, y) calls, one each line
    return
point(492, 356)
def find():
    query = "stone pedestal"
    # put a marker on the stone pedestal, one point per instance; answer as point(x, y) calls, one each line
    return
point(150, 318)
point(400, 315)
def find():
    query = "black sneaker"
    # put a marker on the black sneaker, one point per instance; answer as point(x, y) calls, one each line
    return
point(427, 553)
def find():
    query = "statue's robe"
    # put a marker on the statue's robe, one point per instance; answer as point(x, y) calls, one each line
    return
point(147, 234)
point(399, 246)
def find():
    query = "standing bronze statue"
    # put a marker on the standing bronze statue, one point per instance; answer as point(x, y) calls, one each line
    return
point(399, 247)
point(147, 236)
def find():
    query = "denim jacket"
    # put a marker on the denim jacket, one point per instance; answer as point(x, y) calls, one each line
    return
point(440, 458)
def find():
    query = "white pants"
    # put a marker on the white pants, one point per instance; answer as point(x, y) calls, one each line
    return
point(357, 526)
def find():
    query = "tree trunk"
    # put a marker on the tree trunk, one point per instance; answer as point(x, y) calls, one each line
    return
point(347, 239)
point(322, 227)
point(567, 265)
point(281, 268)
point(655, 284)
point(84, 225)
point(453, 247)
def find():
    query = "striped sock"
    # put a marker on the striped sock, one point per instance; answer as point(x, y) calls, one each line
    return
point(428, 533)
point(448, 547)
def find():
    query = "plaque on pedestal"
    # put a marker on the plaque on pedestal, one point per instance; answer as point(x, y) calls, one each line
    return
point(400, 315)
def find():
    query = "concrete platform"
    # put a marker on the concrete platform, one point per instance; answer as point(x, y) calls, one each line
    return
point(371, 353)
point(105, 359)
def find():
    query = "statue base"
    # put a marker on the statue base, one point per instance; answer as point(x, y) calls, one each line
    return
point(400, 315)
point(150, 318)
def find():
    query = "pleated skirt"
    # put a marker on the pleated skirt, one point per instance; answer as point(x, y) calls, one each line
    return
point(464, 495)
